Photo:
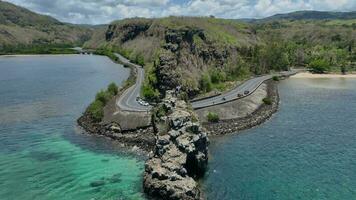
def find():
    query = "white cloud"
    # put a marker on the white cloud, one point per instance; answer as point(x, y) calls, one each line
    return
point(105, 11)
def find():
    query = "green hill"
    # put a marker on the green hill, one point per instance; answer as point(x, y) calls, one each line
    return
point(312, 15)
point(202, 54)
point(23, 29)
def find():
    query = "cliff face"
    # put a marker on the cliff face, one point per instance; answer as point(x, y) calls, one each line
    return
point(186, 55)
point(180, 50)
point(181, 153)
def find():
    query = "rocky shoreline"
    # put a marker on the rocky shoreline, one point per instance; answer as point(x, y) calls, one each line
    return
point(177, 144)
point(259, 116)
point(142, 139)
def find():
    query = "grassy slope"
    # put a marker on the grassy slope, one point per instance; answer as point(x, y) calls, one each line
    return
point(228, 46)
point(23, 28)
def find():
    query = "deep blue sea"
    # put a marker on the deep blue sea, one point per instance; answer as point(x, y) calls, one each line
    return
point(42, 154)
point(306, 151)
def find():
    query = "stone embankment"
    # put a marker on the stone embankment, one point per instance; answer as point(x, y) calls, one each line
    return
point(180, 156)
point(257, 115)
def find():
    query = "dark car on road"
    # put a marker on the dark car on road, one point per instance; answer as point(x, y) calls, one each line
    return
point(246, 92)
point(240, 95)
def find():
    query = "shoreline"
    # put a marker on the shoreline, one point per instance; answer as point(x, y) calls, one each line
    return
point(262, 114)
point(332, 75)
point(37, 55)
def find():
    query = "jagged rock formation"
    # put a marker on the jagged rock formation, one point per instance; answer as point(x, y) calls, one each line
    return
point(181, 153)
point(182, 48)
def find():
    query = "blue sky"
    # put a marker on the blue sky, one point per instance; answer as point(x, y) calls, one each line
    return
point(105, 11)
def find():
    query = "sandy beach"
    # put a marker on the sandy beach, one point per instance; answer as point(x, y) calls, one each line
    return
point(310, 75)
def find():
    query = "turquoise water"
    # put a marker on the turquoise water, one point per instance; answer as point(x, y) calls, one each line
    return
point(42, 154)
point(306, 151)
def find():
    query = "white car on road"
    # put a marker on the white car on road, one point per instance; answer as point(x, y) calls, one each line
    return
point(142, 102)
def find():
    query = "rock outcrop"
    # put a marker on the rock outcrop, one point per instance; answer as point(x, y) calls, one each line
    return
point(181, 153)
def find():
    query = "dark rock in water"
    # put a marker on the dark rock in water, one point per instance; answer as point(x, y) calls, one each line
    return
point(97, 183)
point(116, 178)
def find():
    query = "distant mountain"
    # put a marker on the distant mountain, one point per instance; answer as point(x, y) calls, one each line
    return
point(307, 15)
point(20, 26)
point(15, 15)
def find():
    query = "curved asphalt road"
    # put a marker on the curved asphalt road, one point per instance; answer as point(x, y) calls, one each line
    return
point(251, 85)
point(127, 101)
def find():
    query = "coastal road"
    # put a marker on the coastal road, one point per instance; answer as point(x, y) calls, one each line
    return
point(127, 101)
point(251, 85)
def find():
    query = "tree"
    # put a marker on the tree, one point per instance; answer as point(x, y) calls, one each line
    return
point(112, 89)
point(102, 96)
point(319, 66)
point(205, 83)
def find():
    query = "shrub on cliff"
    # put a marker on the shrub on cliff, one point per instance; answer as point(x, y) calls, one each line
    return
point(113, 89)
point(267, 101)
point(140, 60)
point(213, 117)
point(150, 93)
point(205, 84)
point(96, 110)
point(103, 96)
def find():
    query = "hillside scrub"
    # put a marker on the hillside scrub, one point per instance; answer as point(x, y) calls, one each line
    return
point(96, 109)
point(213, 117)
point(202, 54)
point(25, 32)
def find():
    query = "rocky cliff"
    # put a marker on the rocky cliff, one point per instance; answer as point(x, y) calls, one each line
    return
point(179, 50)
point(180, 156)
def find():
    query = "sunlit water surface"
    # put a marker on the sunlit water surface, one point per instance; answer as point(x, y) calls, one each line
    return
point(306, 151)
point(42, 155)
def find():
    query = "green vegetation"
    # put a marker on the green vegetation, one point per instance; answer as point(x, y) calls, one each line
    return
point(149, 89)
point(106, 52)
point(213, 117)
point(25, 32)
point(205, 84)
point(275, 78)
point(37, 49)
point(96, 109)
point(267, 101)
point(139, 59)
point(113, 89)
point(319, 66)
